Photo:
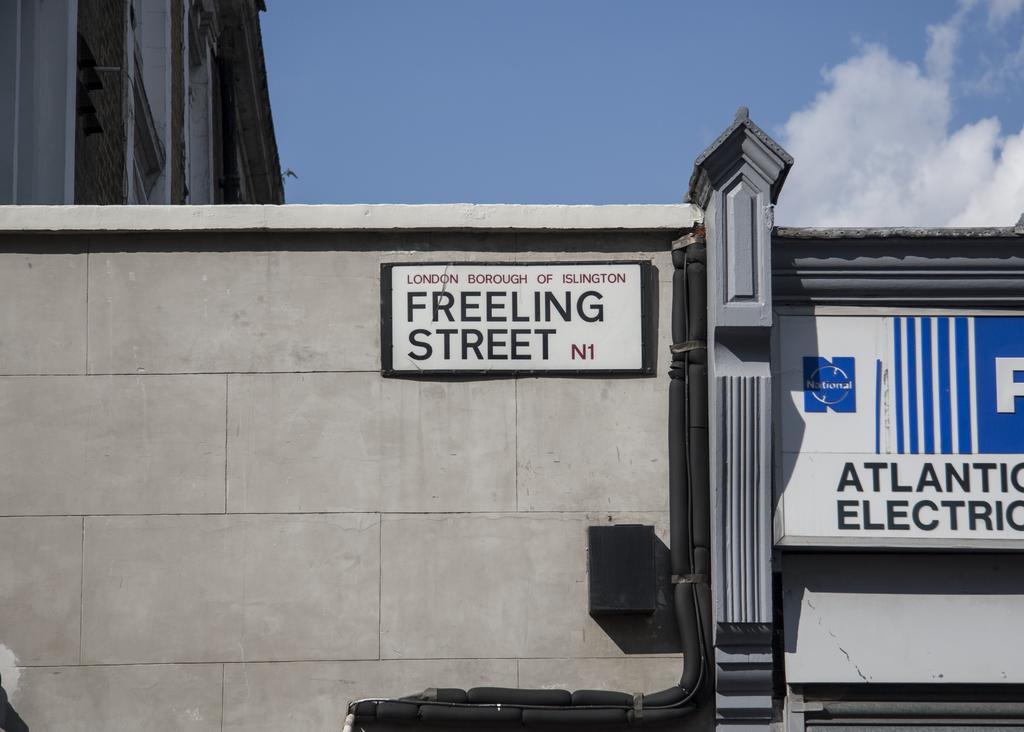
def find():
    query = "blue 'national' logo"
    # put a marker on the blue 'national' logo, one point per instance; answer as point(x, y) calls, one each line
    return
point(829, 384)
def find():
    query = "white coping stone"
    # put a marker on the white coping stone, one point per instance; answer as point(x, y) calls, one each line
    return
point(349, 217)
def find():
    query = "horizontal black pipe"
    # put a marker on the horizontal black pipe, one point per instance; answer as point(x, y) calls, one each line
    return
point(656, 716)
point(575, 716)
point(474, 714)
point(587, 698)
point(396, 711)
point(452, 695)
point(523, 697)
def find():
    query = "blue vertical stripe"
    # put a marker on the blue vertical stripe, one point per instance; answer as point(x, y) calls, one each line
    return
point(897, 348)
point(945, 405)
point(963, 387)
point(912, 384)
point(926, 386)
point(878, 405)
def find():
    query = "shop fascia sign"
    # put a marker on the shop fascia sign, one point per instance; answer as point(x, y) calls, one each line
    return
point(525, 318)
point(900, 429)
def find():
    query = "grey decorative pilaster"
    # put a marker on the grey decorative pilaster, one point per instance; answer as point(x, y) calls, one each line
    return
point(737, 181)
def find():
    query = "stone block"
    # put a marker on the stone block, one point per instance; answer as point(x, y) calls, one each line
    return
point(644, 674)
point(568, 247)
point(357, 442)
point(230, 588)
point(438, 246)
point(40, 588)
point(315, 696)
point(120, 698)
point(42, 311)
point(593, 444)
point(498, 586)
point(236, 311)
point(112, 444)
point(310, 583)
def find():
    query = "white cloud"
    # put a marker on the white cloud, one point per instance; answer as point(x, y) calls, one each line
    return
point(876, 147)
point(1000, 11)
point(942, 43)
point(999, 197)
point(1003, 64)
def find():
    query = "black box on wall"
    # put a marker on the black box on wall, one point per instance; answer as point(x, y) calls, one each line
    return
point(621, 569)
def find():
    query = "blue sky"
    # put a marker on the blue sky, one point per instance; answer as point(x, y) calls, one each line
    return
point(589, 101)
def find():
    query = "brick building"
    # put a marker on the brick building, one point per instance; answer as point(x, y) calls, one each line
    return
point(135, 101)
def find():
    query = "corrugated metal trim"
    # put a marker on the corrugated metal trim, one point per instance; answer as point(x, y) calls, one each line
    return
point(745, 500)
point(894, 232)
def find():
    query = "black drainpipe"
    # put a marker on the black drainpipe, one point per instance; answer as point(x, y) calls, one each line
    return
point(690, 541)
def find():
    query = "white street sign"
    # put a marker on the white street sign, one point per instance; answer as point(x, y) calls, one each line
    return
point(515, 318)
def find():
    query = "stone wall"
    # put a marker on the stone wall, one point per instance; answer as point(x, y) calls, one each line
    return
point(216, 514)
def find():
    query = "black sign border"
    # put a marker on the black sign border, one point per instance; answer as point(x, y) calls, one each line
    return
point(648, 293)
